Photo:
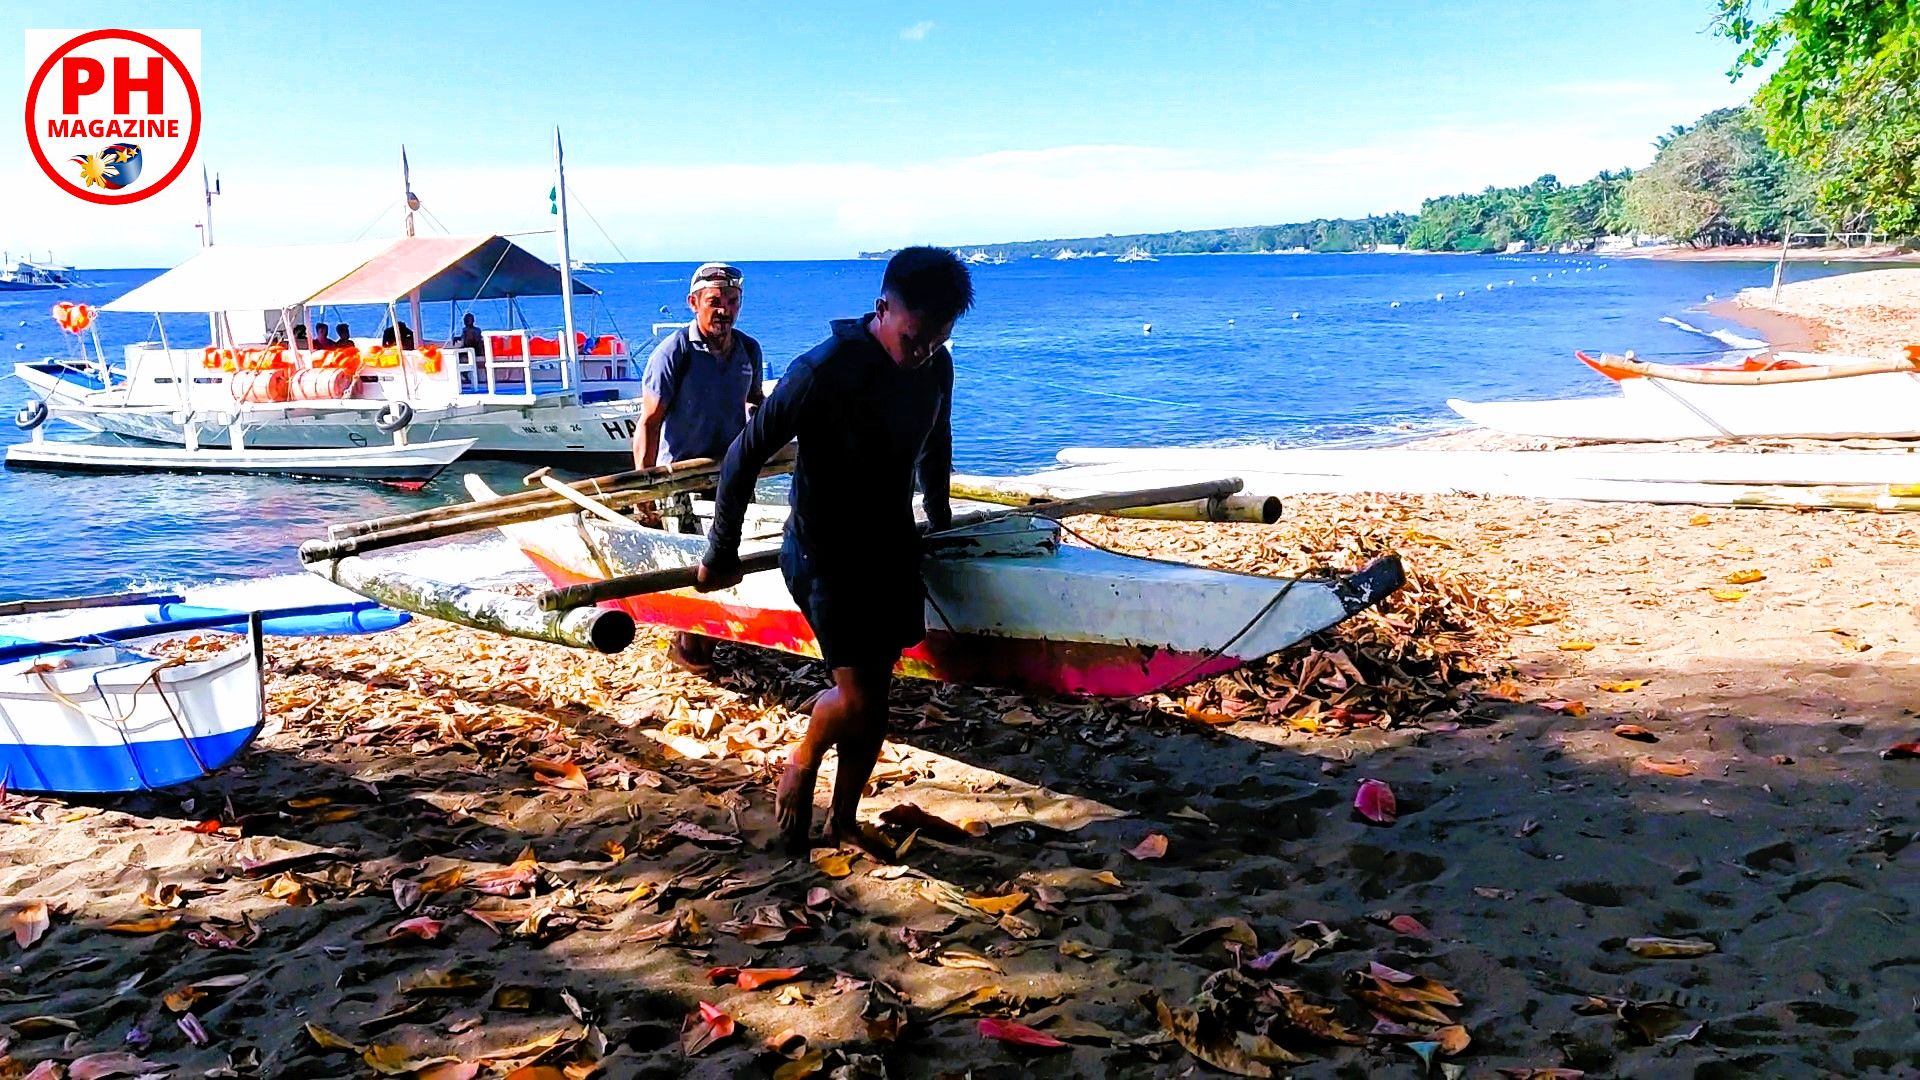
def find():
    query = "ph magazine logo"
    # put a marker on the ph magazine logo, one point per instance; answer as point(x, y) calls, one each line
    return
point(113, 116)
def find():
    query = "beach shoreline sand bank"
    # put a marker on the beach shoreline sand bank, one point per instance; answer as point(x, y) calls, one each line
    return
point(1602, 723)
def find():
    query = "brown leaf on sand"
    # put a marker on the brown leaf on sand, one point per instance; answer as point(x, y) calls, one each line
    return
point(163, 897)
point(1634, 732)
point(451, 1070)
point(1727, 596)
point(1566, 706)
point(1228, 929)
point(1576, 646)
point(1400, 996)
point(908, 817)
point(30, 922)
point(687, 830)
point(447, 881)
point(435, 981)
point(327, 1040)
point(1624, 686)
point(1314, 1021)
point(1675, 767)
point(1153, 847)
point(515, 880)
point(289, 889)
point(614, 850)
point(1745, 577)
point(833, 863)
point(1664, 948)
point(1232, 1052)
point(560, 774)
point(153, 925)
point(999, 905)
point(392, 1059)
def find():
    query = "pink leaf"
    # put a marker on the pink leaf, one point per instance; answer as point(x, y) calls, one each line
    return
point(1410, 926)
point(1153, 847)
point(1375, 802)
point(1007, 1031)
point(423, 928)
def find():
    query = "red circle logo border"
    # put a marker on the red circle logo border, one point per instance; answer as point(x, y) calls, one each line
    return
point(193, 130)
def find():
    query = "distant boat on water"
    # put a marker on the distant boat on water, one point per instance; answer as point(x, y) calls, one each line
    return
point(24, 274)
point(1136, 256)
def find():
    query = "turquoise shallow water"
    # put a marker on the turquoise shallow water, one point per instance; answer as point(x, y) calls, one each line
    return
point(1295, 349)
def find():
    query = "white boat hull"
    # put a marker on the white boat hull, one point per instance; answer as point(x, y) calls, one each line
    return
point(409, 465)
point(1884, 406)
point(110, 720)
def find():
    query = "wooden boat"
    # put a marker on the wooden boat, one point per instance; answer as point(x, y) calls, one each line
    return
point(1008, 604)
point(1790, 396)
point(404, 465)
point(107, 718)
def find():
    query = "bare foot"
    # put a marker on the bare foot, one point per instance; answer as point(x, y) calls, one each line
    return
point(869, 840)
point(793, 807)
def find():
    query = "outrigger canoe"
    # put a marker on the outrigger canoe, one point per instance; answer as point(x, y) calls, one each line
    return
point(1790, 395)
point(1008, 604)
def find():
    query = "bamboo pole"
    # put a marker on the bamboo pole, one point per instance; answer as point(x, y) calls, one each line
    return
point(600, 629)
point(598, 485)
point(76, 603)
point(682, 577)
point(1259, 509)
point(474, 517)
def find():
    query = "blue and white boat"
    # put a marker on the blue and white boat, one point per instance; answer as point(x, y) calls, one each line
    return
point(97, 714)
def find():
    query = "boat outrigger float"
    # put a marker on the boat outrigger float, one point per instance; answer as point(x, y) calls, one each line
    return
point(1008, 603)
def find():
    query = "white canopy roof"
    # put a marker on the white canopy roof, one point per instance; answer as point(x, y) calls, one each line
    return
point(226, 278)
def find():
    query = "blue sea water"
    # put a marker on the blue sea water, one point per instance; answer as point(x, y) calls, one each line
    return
point(1293, 349)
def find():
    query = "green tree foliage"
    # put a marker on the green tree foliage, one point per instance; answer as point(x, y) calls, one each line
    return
point(1717, 182)
point(1842, 102)
point(1544, 212)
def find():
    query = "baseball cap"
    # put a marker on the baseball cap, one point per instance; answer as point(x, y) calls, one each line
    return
point(724, 275)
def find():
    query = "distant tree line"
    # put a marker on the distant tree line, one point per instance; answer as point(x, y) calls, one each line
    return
point(1719, 180)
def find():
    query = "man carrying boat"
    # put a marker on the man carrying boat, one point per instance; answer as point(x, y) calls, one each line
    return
point(872, 409)
point(698, 388)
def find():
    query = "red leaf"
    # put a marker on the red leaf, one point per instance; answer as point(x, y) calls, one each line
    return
point(755, 978)
point(1376, 803)
point(703, 1028)
point(1153, 847)
point(722, 974)
point(211, 825)
point(1007, 1031)
point(1901, 750)
point(423, 928)
point(1408, 925)
point(560, 774)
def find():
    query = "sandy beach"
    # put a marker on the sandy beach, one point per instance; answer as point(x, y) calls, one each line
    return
point(1648, 825)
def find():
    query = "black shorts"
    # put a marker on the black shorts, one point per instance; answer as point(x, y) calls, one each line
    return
point(862, 620)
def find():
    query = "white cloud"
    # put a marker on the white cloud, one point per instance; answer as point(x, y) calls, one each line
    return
point(824, 209)
point(918, 31)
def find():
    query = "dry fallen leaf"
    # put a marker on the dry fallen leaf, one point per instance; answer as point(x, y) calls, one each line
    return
point(1745, 577)
point(327, 1040)
point(1153, 847)
point(1576, 646)
point(1667, 768)
point(152, 925)
point(1569, 708)
point(1374, 801)
point(999, 905)
point(1635, 732)
point(1020, 1035)
point(704, 1027)
point(1624, 686)
point(30, 922)
point(834, 864)
point(1663, 948)
point(1727, 596)
point(559, 774)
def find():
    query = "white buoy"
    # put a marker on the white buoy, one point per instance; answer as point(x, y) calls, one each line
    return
point(1229, 322)
point(1535, 277)
point(1396, 303)
point(20, 345)
point(1509, 281)
point(1439, 296)
point(1489, 286)
point(1709, 298)
point(1296, 314)
point(1146, 328)
point(1462, 292)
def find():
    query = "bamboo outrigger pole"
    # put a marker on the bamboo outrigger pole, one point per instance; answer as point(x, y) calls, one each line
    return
point(1031, 491)
point(601, 629)
point(574, 597)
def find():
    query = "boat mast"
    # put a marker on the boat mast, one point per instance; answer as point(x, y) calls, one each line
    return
point(413, 204)
point(568, 349)
point(207, 192)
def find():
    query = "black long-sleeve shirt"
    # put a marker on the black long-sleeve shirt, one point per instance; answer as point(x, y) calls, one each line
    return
point(867, 429)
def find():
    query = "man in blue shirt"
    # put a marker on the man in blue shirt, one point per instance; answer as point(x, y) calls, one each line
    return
point(699, 387)
point(872, 409)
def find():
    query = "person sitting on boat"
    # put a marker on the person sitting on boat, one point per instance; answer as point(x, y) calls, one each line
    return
point(400, 331)
point(872, 409)
point(300, 336)
point(343, 337)
point(696, 393)
point(470, 337)
point(320, 339)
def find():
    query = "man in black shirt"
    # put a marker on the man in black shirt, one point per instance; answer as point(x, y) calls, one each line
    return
point(872, 409)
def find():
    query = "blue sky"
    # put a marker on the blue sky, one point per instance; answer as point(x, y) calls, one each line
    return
point(802, 130)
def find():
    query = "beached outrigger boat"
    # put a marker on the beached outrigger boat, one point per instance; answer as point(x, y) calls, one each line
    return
point(1785, 395)
point(1008, 604)
point(93, 713)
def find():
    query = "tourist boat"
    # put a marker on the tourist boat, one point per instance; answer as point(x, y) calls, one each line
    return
point(23, 275)
point(560, 395)
point(1136, 256)
point(1787, 395)
point(408, 466)
point(1007, 603)
point(96, 714)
